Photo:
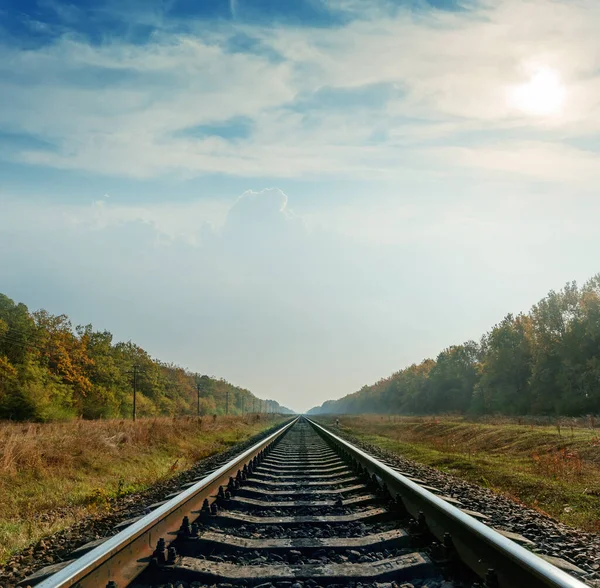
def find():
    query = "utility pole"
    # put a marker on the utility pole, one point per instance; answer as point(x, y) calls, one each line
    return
point(135, 369)
point(227, 401)
point(198, 388)
point(135, 372)
point(242, 405)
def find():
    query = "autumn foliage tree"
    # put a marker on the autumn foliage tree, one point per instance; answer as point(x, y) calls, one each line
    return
point(52, 371)
point(545, 362)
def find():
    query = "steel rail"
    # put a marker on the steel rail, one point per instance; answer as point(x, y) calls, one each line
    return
point(477, 545)
point(123, 557)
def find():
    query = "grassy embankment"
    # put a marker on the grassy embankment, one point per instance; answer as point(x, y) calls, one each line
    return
point(54, 474)
point(555, 469)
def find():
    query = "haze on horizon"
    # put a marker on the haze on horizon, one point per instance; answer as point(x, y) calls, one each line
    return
point(300, 197)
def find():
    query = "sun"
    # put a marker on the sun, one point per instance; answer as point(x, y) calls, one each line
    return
point(543, 95)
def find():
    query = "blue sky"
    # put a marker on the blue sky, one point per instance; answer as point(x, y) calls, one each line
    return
point(300, 197)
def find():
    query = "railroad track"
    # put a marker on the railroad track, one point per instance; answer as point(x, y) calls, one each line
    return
point(304, 508)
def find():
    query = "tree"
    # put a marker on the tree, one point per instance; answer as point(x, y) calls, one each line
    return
point(506, 368)
point(49, 371)
point(453, 378)
point(64, 354)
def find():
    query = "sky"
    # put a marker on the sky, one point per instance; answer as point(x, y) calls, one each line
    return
point(299, 197)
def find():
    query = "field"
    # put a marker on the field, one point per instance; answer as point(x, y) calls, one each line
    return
point(552, 468)
point(54, 474)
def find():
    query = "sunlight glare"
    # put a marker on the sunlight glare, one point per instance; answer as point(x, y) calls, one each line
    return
point(543, 95)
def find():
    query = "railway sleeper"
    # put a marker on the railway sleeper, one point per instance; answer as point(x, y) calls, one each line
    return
point(301, 492)
point(401, 568)
point(299, 458)
point(304, 456)
point(241, 518)
point(242, 501)
point(310, 477)
point(224, 542)
point(292, 484)
point(301, 472)
point(289, 462)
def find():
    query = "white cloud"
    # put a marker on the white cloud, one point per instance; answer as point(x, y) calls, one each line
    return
point(174, 221)
point(552, 162)
point(276, 198)
point(115, 109)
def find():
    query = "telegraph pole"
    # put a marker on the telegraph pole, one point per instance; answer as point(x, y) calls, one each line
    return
point(242, 405)
point(135, 372)
point(227, 401)
point(198, 388)
point(135, 369)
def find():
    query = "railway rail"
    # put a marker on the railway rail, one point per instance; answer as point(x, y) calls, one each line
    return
point(305, 508)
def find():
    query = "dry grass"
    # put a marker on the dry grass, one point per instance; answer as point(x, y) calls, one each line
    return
point(35, 448)
point(52, 474)
point(554, 467)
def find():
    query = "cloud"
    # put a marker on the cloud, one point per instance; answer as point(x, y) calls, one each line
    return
point(267, 201)
point(550, 162)
point(356, 99)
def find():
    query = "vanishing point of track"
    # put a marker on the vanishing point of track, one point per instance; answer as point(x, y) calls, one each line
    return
point(304, 508)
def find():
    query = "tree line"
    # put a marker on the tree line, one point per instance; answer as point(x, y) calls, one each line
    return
point(52, 371)
point(545, 362)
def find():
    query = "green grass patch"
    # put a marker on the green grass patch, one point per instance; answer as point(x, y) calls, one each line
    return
point(553, 470)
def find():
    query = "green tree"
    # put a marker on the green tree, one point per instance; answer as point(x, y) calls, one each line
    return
point(506, 367)
point(453, 378)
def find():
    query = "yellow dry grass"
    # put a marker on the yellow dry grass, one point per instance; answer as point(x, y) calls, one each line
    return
point(53, 474)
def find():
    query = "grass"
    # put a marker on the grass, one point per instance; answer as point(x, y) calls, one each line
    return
point(52, 475)
point(554, 469)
